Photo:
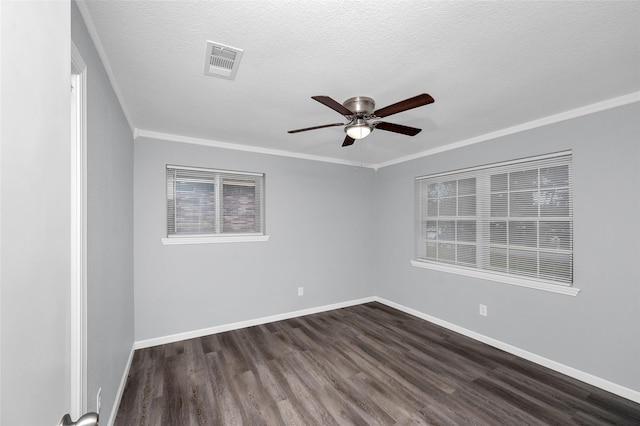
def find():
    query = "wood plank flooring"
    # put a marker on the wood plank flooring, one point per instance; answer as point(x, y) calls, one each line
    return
point(363, 365)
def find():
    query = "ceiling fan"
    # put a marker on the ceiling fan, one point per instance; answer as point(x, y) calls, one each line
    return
point(363, 119)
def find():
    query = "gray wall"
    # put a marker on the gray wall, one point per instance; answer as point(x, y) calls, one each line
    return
point(345, 233)
point(34, 215)
point(109, 229)
point(319, 218)
point(598, 331)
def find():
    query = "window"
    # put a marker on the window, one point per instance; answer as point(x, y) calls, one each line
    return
point(214, 203)
point(510, 219)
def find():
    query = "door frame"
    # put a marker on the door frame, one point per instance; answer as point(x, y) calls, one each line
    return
point(78, 306)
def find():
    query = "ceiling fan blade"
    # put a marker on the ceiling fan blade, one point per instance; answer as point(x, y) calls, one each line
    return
point(397, 128)
point(348, 140)
point(315, 127)
point(333, 104)
point(410, 103)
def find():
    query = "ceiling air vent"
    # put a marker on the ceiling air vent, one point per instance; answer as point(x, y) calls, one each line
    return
point(222, 61)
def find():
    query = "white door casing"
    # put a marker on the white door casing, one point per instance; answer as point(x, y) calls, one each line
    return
point(78, 234)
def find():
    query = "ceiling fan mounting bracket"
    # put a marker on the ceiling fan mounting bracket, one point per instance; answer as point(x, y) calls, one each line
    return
point(361, 106)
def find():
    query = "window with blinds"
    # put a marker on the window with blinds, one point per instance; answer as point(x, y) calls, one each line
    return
point(513, 218)
point(205, 202)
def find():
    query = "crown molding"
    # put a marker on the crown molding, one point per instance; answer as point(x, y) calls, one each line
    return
point(556, 118)
point(93, 33)
point(141, 133)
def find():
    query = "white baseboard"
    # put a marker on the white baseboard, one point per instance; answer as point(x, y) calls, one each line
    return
point(545, 362)
point(140, 344)
point(123, 383)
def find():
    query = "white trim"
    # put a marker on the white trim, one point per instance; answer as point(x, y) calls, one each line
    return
point(140, 344)
point(505, 279)
point(556, 118)
point(213, 240)
point(498, 165)
point(1, 276)
point(120, 391)
point(599, 382)
point(149, 134)
point(563, 116)
point(588, 378)
point(202, 169)
point(78, 238)
point(93, 33)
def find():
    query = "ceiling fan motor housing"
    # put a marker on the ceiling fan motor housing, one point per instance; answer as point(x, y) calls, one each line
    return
point(360, 105)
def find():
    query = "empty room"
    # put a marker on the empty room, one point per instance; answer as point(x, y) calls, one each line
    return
point(320, 212)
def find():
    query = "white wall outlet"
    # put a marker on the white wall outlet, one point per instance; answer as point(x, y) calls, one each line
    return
point(99, 401)
point(300, 291)
point(483, 310)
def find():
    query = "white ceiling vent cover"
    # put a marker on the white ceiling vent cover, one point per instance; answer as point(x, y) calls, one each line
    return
point(222, 61)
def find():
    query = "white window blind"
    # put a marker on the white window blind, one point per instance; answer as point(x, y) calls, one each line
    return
point(205, 202)
point(512, 218)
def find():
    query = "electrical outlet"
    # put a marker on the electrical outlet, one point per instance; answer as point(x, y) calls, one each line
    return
point(300, 291)
point(483, 310)
point(99, 401)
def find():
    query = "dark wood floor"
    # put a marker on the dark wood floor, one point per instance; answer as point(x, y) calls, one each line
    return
point(362, 365)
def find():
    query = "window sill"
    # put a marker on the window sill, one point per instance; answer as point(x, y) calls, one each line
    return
point(214, 240)
point(521, 282)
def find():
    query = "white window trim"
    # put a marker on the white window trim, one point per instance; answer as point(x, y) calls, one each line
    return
point(213, 240)
point(527, 282)
point(177, 239)
point(521, 282)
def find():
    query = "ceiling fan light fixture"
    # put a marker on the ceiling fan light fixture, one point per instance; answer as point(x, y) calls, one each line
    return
point(359, 130)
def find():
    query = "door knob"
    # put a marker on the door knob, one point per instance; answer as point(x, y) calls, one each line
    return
point(89, 419)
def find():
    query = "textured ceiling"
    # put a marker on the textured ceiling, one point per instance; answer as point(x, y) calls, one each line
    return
point(489, 65)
